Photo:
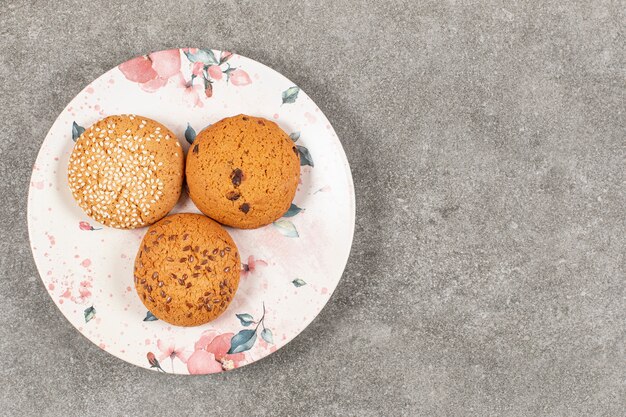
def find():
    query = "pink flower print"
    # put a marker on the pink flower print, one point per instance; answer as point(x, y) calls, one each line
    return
point(225, 56)
point(197, 69)
point(169, 350)
point(211, 354)
point(191, 96)
point(166, 63)
point(153, 85)
point(215, 72)
point(203, 362)
point(219, 348)
point(86, 226)
point(84, 292)
point(252, 265)
point(152, 71)
point(239, 77)
point(138, 70)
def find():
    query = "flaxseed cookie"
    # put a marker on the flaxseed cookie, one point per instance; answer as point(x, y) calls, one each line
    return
point(243, 171)
point(126, 171)
point(187, 269)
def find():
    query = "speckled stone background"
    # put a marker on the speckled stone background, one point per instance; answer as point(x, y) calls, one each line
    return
point(488, 147)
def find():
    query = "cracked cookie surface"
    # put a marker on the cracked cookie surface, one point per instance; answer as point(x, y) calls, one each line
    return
point(243, 171)
point(126, 171)
point(187, 269)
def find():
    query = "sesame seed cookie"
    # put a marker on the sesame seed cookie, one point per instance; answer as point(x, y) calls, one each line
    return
point(243, 171)
point(126, 171)
point(187, 269)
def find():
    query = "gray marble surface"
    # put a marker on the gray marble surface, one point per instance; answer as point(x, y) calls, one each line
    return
point(488, 147)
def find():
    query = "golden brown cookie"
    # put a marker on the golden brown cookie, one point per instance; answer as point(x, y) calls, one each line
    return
point(243, 171)
point(126, 171)
point(187, 269)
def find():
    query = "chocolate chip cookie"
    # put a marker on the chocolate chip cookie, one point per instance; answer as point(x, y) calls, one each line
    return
point(243, 171)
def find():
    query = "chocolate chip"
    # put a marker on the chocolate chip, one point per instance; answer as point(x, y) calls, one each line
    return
point(261, 122)
point(236, 176)
point(233, 195)
point(295, 150)
point(189, 315)
point(186, 248)
point(245, 207)
point(245, 118)
point(188, 304)
point(188, 285)
point(185, 236)
point(172, 275)
point(195, 149)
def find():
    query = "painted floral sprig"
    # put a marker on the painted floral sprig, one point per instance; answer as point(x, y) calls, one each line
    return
point(244, 340)
point(207, 67)
point(86, 226)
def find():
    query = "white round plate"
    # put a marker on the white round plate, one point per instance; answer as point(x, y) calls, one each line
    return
point(290, 268)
